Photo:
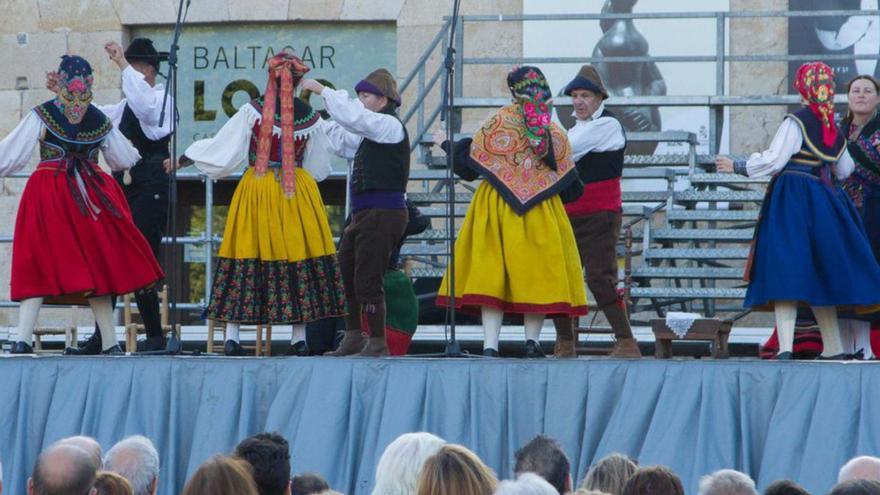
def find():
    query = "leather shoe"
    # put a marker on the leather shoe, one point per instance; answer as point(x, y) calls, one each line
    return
point(21, 348)
point(533, 350)
point(113, 351)
point(233, 348)
point(298, 349)
point(837, 357)
point(152, 344)
point(90, 347)
point(489, 352)
point(785, 356)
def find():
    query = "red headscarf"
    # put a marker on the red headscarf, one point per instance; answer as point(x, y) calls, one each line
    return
point(815, 82)
point(292, 69)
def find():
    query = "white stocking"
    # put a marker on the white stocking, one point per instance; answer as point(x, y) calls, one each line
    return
point(786, 316)
point(862, 337)
point(826, 316)
point(233, 331)
point(28, 311)
point(492, 318)
point(103, 311)
point(298, 334)
point(847, 335)
point(533, 323)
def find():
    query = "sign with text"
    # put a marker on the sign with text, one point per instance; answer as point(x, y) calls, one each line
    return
point(223, 66)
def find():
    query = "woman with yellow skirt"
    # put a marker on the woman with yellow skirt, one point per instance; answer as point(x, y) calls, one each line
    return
point(277, 262)
point(516, 251)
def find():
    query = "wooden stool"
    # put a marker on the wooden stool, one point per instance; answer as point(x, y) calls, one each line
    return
point(132, 330)
point(69, 338)
point(258, 348)
point(711, 329)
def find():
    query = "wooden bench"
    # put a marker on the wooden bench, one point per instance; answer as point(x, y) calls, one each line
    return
point(69, 338)
point(259, 348)
point(704, 329)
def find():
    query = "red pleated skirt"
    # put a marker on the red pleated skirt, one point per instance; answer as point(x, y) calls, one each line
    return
point(65, 256)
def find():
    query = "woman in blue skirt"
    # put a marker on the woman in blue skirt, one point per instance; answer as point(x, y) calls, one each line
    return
point(810, 245)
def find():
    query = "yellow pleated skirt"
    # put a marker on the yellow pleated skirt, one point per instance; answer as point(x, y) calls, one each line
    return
point(277, 262)
point(264, 224)
point(517, 263)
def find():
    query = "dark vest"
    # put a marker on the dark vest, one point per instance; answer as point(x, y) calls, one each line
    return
point(862, 150)
point(813, 151)
point(602, 165)
point(149, 149)
point(381, 166)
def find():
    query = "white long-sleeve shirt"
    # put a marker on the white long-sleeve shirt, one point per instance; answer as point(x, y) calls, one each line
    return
point(353, 122)
point(595, 134)
point(145, 102)
point(17, 148)
point(224, 153)
point(786, 143)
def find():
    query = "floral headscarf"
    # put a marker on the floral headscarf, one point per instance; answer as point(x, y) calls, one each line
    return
point(289, 69)
point(815, 82)
point(530, 89)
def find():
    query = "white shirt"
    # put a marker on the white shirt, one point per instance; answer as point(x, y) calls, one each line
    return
point(353, 122)
point(596, 134)
point(17, 148)
point(222, 154)
point(786, 143)
point(145, 102)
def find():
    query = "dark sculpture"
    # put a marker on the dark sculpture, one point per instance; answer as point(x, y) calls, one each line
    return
point(622, 39)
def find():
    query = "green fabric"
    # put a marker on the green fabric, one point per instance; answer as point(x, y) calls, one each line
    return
point(401, 305)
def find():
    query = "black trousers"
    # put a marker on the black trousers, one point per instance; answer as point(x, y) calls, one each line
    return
point(147, 197)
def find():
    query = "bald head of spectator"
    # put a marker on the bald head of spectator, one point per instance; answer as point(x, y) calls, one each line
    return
point(860, 468)
point(89, 445)
point(63, 470)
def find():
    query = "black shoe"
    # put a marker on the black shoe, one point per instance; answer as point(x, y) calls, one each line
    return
point(784, 356)
point(489, 352)
point(90, 347)
point(113, 351)
point(837, 357)
point(233, 348)
point(152, 343)
point(533, 350)
point(21, 348)
point(298, 349)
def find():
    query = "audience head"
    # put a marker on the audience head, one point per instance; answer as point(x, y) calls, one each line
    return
point(308, 484)
point(785, 487)
point(860, 468)
point(222, 475)
point(269, 457)
point(135, 459)
point(545, 457)
point(108, 483)
point(526, 484)
point(401, 464)
point(63, 470)
point(653, 480)
point(455, 470)
point(87, 444)
point(856, 487)
point(727, 482)
point(610, 474)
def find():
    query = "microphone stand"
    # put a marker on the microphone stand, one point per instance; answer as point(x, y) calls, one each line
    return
point(174, 345)
point(453, 348)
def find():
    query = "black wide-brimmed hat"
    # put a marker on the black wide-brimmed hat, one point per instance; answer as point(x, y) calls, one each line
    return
point(142, 50)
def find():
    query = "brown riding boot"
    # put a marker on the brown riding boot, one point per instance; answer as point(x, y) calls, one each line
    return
point(376, 347)
point(564, 347)
point(625, 346)
point(354, 340)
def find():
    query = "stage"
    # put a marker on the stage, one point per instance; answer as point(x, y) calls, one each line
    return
point(798, 420)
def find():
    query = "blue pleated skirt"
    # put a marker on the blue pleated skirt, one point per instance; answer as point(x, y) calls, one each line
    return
point(811, 246)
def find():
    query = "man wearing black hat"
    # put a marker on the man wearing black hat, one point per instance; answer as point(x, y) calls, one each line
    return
point(368, 131)
point(146, 184)
point(598, 142)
